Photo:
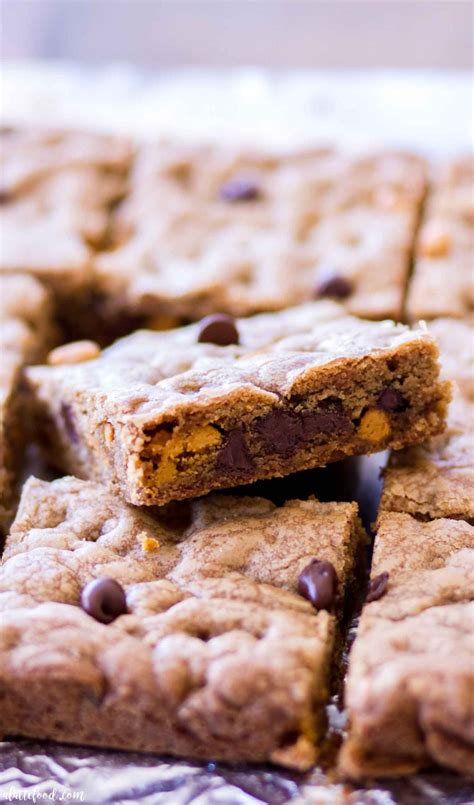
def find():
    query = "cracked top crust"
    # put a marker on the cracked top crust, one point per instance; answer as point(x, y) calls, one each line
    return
point(411, 678)
point(96, 534)
point(29, 155)
point(56, 189)
point(213, 623)
point(168, 369)
point(298, 215)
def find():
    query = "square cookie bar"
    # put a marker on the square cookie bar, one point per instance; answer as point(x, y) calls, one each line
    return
point(26, 334)
point(436, 479)
point(410, 687)
point(209, 228)
point(56, 190)
point(181, 632)
point(443, 279)
point(173, 415)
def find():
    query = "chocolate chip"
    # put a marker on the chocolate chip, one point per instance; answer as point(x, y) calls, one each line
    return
point(318, 583)
point(391, 400)
point(240, 189)
point(103, 599)
point(218, 329)
point(69, 422)
point(377, 587)
point(325, 423)
point(334, 285)
point(281, 431)
point(235, 455)
point(5, 196)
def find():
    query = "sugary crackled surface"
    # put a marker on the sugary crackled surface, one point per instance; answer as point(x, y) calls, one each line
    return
point(443, 280)
point(411, 676)
point(213, 620)
point(181, 248)
point(26, 332)
point(148, 373)
point(56, 189)
point(436, 479)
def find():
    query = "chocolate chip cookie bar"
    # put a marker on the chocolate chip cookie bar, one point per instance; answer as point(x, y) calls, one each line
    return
point(411, 673)
point(204, 629)
point(26, 333)
point(173, 415)
point(436, 479)
point(443, 281)
point(209, 228)
point(56, 190)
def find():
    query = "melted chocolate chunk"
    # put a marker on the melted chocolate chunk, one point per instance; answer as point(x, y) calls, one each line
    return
point(235, 455)
point(69, 422)
point(326, 423)
point(282, 432)
point(334, 285)
point(329, 418)
point(391, 400)
point(318, 583)
point(377, 587)
point(218, 329)
point(104, 600)
point(240, 189)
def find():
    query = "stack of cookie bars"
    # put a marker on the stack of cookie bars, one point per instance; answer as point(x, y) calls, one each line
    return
point(257, 296)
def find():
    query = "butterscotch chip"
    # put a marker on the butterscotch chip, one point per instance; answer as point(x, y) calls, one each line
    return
point(435, 241)
point(204, 646)
point(303, 387)
point(411, 672)
point(75, 352)
point(150, 544)
point(374, 426)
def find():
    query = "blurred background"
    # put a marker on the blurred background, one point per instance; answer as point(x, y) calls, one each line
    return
point(269, 33)
point(351, 72)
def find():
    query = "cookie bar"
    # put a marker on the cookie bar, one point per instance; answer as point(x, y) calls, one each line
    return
point(411, 676)
point(455, 339)
point(442, 284)
point(436, 479)
point(56, 190)
point(26, 333)
point(172, 415)
point(180, 632)
point(208, 228)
